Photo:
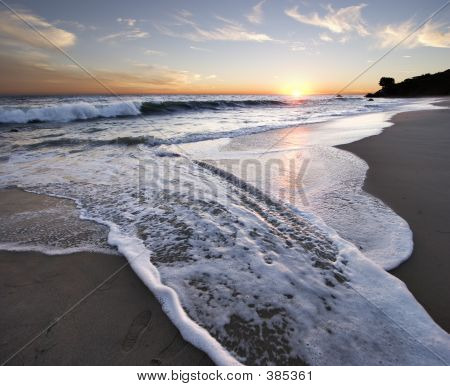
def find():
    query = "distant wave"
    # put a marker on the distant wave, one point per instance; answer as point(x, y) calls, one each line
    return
point(175, 106)
point(67, 112)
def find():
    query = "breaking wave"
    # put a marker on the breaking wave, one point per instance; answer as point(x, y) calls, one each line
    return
point(67, 112)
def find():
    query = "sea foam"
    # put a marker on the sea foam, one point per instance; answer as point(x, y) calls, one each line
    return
point(267, 283)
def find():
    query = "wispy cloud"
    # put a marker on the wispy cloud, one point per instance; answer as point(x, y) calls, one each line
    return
point(14, 32)
point(131, 34)
point(297, 46)
point(129, 22)
point(184, 13)
point(256, 15)
point(325, 37)
point(145, 74)
point(26, 58)
point(339, 21)
point(74, 24)
point(430, 35)
point(199, 78)
point(185, 27)
point(29, 72)
point(155, 53)
point(195, 48)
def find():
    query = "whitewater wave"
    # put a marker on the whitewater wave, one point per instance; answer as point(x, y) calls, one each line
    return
point(67, 112)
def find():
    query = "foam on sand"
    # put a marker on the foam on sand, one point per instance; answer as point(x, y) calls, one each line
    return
point(332, 179)
point(232, 266)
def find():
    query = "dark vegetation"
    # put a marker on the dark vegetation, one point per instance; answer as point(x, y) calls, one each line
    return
point(418, 86)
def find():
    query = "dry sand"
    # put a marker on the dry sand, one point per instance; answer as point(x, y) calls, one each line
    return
point(409, 169)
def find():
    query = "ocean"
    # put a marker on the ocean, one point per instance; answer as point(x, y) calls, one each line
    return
point(239, 214)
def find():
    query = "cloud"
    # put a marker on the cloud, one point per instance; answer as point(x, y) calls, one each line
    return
point(325, 37)
point(74, 24)
point(14, 32)
point(184, 13)
point(36, 58)
point(186, 28)
point(145, 75)
point(131, 34)
point(256, 15)
point(33, 72)
point(201, 78)
point(129, 22)
point(430, 35)
point(155, 53)
point(26, 58)
point(28, 66)
point(195, 48)
point(342, 20)
point(297, 46)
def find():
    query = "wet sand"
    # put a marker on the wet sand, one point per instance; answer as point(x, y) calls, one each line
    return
point(121, 323)
point(409, 169)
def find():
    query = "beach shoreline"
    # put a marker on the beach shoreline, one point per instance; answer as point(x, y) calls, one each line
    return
point(140, 325)
point(409, 171)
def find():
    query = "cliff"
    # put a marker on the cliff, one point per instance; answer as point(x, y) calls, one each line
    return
point(419, 86)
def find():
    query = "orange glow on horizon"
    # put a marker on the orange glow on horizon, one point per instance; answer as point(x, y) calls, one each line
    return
point(293, 90)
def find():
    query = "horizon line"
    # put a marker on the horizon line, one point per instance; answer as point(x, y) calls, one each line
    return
point(168, 93)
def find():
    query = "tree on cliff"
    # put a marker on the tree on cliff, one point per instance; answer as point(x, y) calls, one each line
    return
point(386, 82)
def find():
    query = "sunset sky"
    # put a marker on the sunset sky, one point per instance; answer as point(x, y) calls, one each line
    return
point(245, 46)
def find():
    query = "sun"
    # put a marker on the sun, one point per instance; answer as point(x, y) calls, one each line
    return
point(295, 89)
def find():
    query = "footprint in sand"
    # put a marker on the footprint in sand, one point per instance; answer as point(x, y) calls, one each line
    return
point(137, 327)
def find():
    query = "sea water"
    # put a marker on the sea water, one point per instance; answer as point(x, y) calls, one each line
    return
point(246, 274)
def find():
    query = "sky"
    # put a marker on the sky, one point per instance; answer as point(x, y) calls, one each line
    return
point(201, 46)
